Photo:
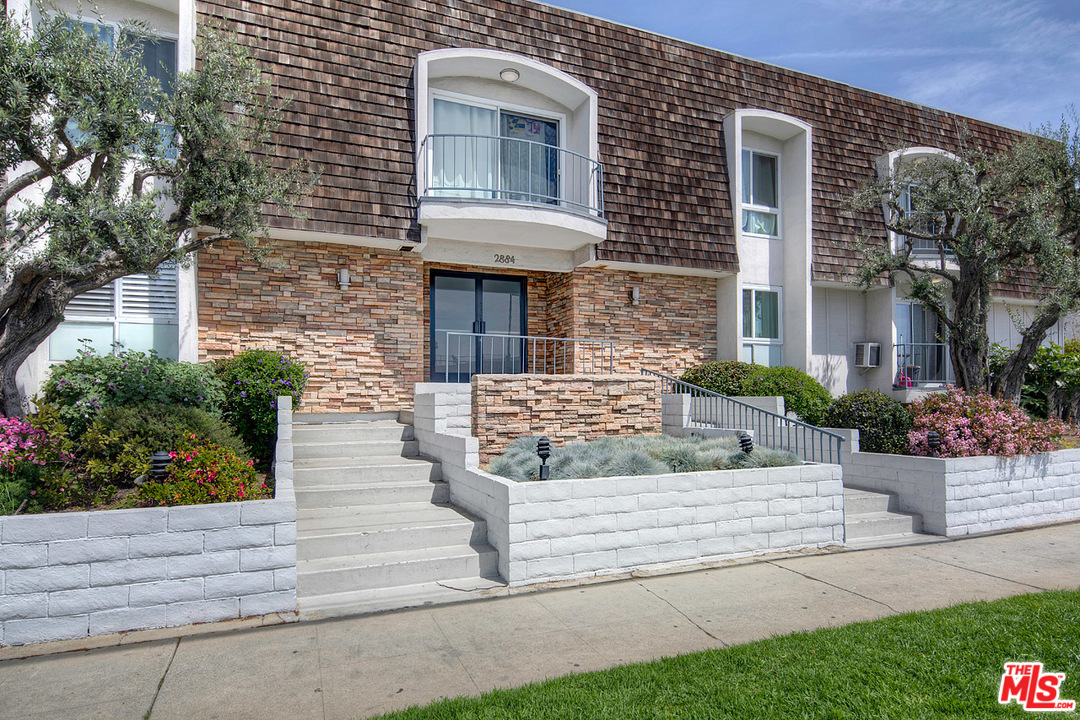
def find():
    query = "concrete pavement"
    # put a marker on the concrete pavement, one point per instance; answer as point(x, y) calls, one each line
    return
point(358, 667)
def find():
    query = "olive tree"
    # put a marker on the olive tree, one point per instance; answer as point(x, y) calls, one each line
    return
point(989, 218)
point(106, 173)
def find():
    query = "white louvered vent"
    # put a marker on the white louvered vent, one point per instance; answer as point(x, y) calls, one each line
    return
point(867, 355)
point(149, 295)
point(93, 303)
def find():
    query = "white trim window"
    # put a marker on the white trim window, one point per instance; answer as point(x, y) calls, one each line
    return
point(926, 223)
point(137, 312)
point(760, 193)
point(922, 357)
point(763, 326)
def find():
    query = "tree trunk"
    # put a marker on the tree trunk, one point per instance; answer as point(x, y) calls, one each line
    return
point(1010, 380)
point(22, 329)
point(969, 344)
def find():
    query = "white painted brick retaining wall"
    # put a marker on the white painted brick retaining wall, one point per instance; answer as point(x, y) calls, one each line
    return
point(72, 575)
point(961, 496)
point(561, 529)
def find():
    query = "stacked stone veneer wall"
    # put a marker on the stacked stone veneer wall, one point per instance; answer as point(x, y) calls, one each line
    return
point(563, 529)
point(366, 346)
point(72, 575)
point(960, 496)
point(566, 408)
point(363, 346)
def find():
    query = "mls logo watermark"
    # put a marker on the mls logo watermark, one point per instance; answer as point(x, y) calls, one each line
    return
point(1032, 689)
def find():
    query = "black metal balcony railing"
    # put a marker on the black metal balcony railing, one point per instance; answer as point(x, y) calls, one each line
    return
point(460, 355)
point(921, 364)
point(480, 167)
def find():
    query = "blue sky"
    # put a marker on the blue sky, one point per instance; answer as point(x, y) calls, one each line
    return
point(1012, 62)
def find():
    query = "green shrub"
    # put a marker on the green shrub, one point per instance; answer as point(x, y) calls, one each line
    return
point(118, 446)
point(723, 376)
point(636, 455)
point(253, 381)
point(55, 484)
point(80, 388)
point(883, 423)
point(1051, 386)
point(204, 473)
point(803, 395)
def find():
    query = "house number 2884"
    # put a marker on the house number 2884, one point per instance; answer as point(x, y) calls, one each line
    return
point(505, 259)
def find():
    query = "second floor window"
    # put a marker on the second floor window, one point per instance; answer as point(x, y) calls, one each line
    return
point(760, 194)
point(491, 152)
point(925, 222)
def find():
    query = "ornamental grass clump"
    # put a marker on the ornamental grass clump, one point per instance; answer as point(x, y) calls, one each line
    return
point(972, 424)
point(204, 473)
point(635, 455)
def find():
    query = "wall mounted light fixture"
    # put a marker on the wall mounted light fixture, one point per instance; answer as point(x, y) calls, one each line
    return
point(509, 75)
point(343, 278)
point(635, 296)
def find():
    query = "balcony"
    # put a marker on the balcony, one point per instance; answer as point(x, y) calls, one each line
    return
point(509, 191)
point(921, 364)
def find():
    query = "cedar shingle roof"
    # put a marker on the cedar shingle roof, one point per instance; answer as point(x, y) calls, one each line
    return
point(348, 65)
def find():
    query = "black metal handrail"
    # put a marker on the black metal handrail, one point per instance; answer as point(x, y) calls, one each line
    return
point(771, 430)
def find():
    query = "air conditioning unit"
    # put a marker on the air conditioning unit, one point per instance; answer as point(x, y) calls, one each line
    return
point(867, 355)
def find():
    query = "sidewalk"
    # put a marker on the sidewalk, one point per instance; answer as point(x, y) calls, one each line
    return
point(358, 667)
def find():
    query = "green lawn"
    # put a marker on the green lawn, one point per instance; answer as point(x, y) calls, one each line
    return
point(939, 664)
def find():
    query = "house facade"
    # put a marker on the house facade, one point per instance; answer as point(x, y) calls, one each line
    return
point(508, 186)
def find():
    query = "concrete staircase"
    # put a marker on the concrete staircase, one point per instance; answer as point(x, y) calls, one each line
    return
point(873, 519)
point(375, 530)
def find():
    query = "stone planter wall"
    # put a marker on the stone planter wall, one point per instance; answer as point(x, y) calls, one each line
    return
point(565, 529)
point(72, 575)
point(960, 496)
point(566, 408)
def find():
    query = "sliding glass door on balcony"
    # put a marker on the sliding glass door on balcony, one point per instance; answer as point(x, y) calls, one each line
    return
point(475, 323)
point(479, 152)
point(921, 356)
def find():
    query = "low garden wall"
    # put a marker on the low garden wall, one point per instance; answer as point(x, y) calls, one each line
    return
point(566, 408)
point(72, 575)
point(569, 529)
point(961, 496)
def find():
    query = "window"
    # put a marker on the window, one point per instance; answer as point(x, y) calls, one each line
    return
point(137, 312)
point(926, 223)
point(760, 194)
point(492, 152)
point(921, 356)
point(158, 52)
point(762, 327)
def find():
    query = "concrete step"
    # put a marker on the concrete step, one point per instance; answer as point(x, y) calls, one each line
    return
point(876, 524)
point(322, 520)
point(858, 501)
point(337, 418)
point(354, 449)
point(359, 602)
point(884, 541)
point(329, 540)
point(360, 470)
point(371, 493)
point(352, 432)
point(369, 571)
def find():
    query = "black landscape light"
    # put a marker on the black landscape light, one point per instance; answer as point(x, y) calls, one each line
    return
point(159, 465)
point(933, 439)
point(746, 443)
point(543, 449)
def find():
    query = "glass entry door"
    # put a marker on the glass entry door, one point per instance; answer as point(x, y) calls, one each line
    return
point(476, 321)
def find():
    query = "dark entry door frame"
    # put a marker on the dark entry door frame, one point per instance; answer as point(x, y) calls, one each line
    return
point(487, 287)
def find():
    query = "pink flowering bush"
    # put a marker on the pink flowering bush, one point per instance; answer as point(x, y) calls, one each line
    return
point(205, 473)
point(978, 424)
